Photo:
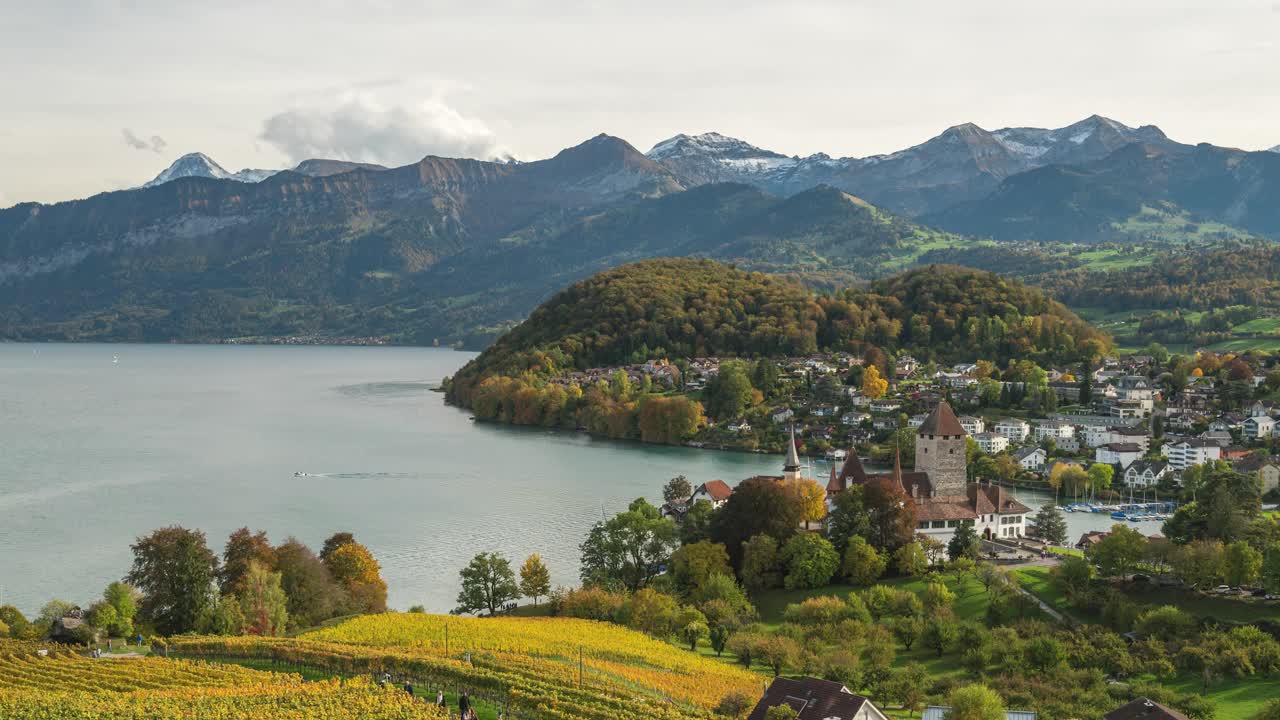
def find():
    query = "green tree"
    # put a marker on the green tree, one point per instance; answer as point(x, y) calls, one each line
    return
point(175, 570)
point(1073, 575)
point(1044, 653)
point(1100, 476)
point(975, 702)
point(692, 565)
point(691, 626)
point(488, 583)
point(729, 393)
point(123, 601)
point(939, 634)
point(862, 564)
point(535, 578)
point(652, 612)
point(781, 712)
point(696, 523)
point(910, 560)
point(222, 616)
point(262, 600)
point(938, 598)
point(1050, 524)
point(908, 630)
point(759, 505)
point(677, 490)
point(810, 560)
point(761, 564)
point(848, 518)
point(629, 549)
point(964, 543)
point(17, 623)
point(1270, 569)
point(1120, 551)
point(1243, 564)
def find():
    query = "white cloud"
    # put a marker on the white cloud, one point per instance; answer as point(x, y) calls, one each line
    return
point(358, 126)
point(155, 143)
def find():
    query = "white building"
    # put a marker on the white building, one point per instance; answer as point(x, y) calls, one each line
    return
point(991, 443)
point(1031, 458)
point(1055, 430)
point(1120, 454)
point(1013, 428)
point(1259, 427)
point(1144, 473)
point(972, 425)
point(1192, 451)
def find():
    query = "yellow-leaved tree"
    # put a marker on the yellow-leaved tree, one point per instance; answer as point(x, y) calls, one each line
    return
point(873, 386)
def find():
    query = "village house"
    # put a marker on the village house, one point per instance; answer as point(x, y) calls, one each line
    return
point(716, 492)
point(1262, 408)
point(991, 443)
point(1030, 458)
point(814, 699)
point(1191, 451)
point(1259, 427)
point(781, 414)
point(1013, 428)
point(886, 406)
point(1119, 454)
point(905, 367)
point(1130, 396)
point(854, 417)
point(944, 498)
point(1266, 469)
point(1144, 709)
point(740, 426)
point(917, 420)
point(1145, 473)
point(972, 425)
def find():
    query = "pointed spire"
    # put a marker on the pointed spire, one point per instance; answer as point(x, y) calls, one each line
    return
point(897, 469)
point(792, 464)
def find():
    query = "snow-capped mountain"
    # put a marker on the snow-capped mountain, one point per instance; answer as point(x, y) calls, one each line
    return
point(1275, 149)
point(200, 165)
point(964, 162)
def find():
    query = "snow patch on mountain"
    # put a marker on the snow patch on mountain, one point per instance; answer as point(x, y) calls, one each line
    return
point(198, 164)
point(1275, 149)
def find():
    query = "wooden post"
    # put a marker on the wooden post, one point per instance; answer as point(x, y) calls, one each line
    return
point(579, 667)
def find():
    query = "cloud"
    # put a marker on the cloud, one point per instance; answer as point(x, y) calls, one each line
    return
point(156, 144)
point(357, 126)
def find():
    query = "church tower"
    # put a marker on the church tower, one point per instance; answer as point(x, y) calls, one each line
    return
point(791, 468)
point(940, 446)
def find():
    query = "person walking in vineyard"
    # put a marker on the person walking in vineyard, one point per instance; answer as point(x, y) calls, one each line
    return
point(464, 705)
point(440, 698)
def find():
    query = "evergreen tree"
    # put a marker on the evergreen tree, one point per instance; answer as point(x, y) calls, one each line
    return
point(964, 543)
point(1050, 524)
point(1086, 385)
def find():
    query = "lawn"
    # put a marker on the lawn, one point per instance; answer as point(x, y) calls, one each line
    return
point(1234, 699)
point(1204, 606)
point(1036, 580)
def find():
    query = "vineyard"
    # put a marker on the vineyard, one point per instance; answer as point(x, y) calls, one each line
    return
point(65, 686)
point(536, 668)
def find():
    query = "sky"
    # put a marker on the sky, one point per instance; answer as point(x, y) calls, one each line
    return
point(104, 94)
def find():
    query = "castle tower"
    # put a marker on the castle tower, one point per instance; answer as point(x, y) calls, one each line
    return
point(791, 468)
point(940, 445)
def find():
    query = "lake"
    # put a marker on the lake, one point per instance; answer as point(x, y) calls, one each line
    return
point(102, 443)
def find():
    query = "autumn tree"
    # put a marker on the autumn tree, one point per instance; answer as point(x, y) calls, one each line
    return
point(354, 568)
point(862, 564)
point(873, 386)
point(535, 578)
point(313, 594)
point(975, 702)
point(243, 548)
point(677, 490)
point(692, 565)
point(262, 600)
point(812, 498)
point(759, 505)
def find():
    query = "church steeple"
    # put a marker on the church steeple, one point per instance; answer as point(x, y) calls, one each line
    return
point(791, 468)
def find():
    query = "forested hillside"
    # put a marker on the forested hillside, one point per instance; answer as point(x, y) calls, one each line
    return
point(689, 308)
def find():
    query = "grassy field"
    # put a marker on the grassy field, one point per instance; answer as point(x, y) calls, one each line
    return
point(1234, 699)
point(971, 598)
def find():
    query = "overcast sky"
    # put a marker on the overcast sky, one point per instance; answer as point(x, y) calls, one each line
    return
point(103, 94)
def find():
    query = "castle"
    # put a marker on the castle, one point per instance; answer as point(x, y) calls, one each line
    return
point(939, 486)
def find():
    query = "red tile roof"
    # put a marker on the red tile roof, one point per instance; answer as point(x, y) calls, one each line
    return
point(719, 490)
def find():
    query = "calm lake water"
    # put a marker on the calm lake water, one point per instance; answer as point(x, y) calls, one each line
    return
point(102, 443)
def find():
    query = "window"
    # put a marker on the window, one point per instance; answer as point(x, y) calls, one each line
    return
point(937, 524)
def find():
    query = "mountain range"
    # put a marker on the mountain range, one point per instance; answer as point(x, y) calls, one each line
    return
point(450, 248)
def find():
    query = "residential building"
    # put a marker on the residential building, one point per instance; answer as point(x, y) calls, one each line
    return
point(1030, 458)
point(1145, 473)
point(1013, 428)
point(1259, 427)
point(885, 406)
point(716, 492)
point(781, 414)
point(1119, 454)
point(972, 425)
point(814, 699)
point(1266, 469)
point(1054, 430)
point(991, 443)
point(942, 712)
point(1144, 709)
point(854, 417)
point(1191, 451)
point(916, 421)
